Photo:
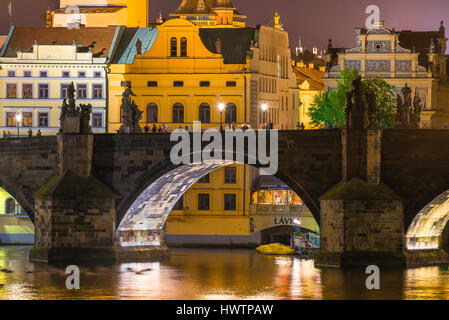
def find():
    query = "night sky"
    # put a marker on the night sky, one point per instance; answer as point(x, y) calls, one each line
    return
point(314, 20)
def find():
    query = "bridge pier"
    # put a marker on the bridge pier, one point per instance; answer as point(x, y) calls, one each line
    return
point(361, 218)
point(75, 212)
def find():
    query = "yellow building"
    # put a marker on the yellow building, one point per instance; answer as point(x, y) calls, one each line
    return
point(417, 59)
point(99, 13)
point(310, 83)
point(15, 226)
point(210, 13)
point(37, 67)
point(181, 71)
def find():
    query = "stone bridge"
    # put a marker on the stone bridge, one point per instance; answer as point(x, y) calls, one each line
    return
point(79, 189)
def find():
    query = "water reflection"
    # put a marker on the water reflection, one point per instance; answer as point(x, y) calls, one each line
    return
point(213, 274)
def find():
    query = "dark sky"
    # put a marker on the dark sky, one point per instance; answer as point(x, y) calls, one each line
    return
point(315, 20)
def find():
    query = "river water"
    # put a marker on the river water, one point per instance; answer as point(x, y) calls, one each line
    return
point(220, 274)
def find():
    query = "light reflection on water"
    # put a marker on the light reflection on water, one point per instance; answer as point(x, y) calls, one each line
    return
point(213, 274)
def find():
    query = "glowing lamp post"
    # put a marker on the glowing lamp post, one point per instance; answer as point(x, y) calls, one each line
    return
point(264, 107)
point(18, 119)
point(221, 108)
point(297, 224)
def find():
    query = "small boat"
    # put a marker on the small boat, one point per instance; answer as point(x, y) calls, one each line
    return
point(275, 249)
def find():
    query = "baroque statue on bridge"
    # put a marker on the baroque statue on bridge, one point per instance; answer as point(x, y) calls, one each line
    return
point(130, 113)
point(73, 119)
point(360, 112)
point(408, 116)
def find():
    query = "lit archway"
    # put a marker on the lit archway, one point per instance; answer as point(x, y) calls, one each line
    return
point(143, 223)
point(426, 232)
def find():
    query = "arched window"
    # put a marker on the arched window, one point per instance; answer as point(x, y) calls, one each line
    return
point(178, 113)
point(204, 113)
point(183, 47)
point(231, 113)
point(173, 47)
point(152, 113)
point(10, 206)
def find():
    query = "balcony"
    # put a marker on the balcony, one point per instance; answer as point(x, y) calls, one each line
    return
point(271, 209)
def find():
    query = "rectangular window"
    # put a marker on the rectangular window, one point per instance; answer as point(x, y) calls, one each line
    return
point(204, 83)
point(230, 202)
point(205, 179)
point(152, 83)
point(43, 74)
point(43, 91)
point(97, 120)
point(11, 74)
point(125, 84)
point(66, 74)
point(231, 84)
point(179, 204)
point(10, 119)
point(178, 83)
point(42, 119)
point(97, 74)
point(65, 91)
point(27, 91)
point(81, 74)
point(81, 91)
point(230, 175)
point(203, 201)
point(11, 91)
point(27, 119)
point(98, 91)
point(27, 74)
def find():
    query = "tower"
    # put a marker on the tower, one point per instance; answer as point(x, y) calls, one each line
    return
point(210, 13)
point(102, 13)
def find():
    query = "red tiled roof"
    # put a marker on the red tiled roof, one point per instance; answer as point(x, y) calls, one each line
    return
point(314, 77)
point(99, 39)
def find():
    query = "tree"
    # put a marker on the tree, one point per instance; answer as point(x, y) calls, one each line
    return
point(328, 108)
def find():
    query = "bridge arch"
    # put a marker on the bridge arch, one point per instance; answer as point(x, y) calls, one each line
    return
point(148, 209)
point(16, 191)
point(429, 228)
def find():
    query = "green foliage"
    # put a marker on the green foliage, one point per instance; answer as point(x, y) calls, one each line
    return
point(328, 108)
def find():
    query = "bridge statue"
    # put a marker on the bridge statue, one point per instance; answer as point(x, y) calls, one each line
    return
point(74, 120)
point(361, 112)
point(131, 115)
point(408, 116)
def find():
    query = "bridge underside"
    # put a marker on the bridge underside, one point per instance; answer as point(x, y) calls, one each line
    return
point(426, 230)
point(144, 222)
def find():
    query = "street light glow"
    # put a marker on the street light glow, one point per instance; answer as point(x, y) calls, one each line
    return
point(264, 107)
point(297, 222)
point(18, 117)
point(221, 106)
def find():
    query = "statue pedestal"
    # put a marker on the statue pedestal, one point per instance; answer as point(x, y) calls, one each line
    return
point(71, 124)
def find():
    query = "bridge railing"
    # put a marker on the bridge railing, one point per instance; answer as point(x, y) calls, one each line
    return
point(272, 209)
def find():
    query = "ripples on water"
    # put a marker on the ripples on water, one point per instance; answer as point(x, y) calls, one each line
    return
point(213, 274)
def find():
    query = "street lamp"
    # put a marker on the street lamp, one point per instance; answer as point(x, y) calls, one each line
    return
point(264, 107)
point(18, 119)
point(221, 107)
point(297, 224)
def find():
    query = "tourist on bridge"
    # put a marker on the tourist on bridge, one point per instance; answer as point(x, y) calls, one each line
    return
point(30, 132)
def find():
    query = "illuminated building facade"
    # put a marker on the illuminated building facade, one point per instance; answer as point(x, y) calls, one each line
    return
point(310, 83)
point(99, 13)
point(15, 226)
point(37, 67)
point(210, 13)
point(417, 59)
point(183, 71)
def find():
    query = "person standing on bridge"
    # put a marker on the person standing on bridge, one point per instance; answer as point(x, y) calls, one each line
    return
point(4, 134)
point(39, 133)
point(30, 132)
